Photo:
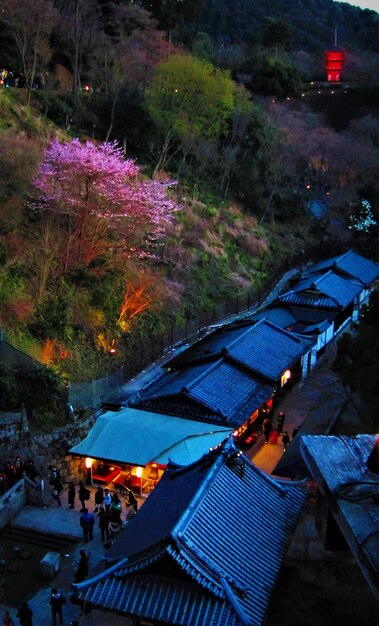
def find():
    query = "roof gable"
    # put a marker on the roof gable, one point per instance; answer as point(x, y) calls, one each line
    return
point(268, 349)
point(328, 290)
point(351, 264)
point(228, 392)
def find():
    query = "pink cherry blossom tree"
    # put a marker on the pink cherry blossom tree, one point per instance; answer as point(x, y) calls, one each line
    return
point(100, 204)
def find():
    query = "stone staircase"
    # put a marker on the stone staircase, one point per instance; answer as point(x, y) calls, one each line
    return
point(54, 543)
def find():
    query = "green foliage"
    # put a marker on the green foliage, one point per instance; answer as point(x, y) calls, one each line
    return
point(8, 388)
point(276, 33)
point(40, 389)
point(12, 280)
point(52, 319)
point(357, 360)
point(188, 96)
point(170, 12)
point(202, 47)
point(273, 77)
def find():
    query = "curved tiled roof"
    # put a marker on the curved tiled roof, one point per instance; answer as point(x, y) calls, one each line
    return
point(329, 291)
point(201, 518)
point(351, 264)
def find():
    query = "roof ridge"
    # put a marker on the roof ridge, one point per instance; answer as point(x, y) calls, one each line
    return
point(198, 378)
point(288, 334)
point(234, 601)
point(216, 466)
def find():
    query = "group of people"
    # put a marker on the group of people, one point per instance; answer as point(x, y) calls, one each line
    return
point(24, 615)
point(109, 510)
point(108, 506)
point(272, 434)
point(11, 78)
point(11, 472)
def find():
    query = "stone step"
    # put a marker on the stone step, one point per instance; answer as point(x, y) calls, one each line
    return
point(56, 543)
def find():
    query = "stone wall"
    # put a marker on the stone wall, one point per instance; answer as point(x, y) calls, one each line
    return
point(16, 439)
point(11, 503)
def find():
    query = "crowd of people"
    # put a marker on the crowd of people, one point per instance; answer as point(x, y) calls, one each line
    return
point(273, 433)
point(110, 520)
point(11, 78)
point(12, 471)
point(108, 507)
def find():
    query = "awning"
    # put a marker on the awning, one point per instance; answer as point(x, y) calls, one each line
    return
point(137, 437)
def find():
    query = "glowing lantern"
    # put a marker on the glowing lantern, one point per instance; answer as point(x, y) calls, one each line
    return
point(285, 377)
point(88, 463)
point(112, 349)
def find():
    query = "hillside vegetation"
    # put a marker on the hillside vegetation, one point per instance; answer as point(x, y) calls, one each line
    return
point(212, 176)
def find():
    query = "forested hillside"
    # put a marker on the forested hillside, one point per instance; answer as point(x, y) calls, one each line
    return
point(158, 157)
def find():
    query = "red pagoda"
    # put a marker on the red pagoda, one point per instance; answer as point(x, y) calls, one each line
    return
point(335, 58)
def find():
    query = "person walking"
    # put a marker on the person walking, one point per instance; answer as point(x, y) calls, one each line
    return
point(274, 436)
point(266, 427)
point(57, 490)
point(280, 421)
point(115, 509)
point(71, 496)
point(132, 500)
point(295, 431)
point(107, 500)
point(54, 474)
point(286, 440)
point(82, 569)
point(57, 600)
point(87, 522)
point(104, 520)
point(99, 498)
point(25, 615)
point(8, 621)
point(84, 494)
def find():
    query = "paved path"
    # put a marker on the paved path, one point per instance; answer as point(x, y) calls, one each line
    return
point(64, 521)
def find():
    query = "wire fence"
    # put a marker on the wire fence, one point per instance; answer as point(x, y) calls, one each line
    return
point(93, 393)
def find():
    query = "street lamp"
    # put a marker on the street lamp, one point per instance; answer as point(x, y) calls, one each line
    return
point(139, 475)
point(89, 462)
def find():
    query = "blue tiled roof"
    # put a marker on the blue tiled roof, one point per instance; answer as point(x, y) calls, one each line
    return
point(268, 349)
point(312, 316)
point(171, 602)
point(210, 346)
point(228, 388)
point(225, 390)
point(278, 315)
point(328, 290)
point(175, 380)
point(351, 264)
point(225, 526)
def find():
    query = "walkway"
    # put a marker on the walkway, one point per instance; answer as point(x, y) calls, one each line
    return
point(63, 521)
point(315, 406)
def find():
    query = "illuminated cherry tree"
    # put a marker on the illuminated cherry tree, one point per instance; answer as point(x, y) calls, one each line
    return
point(100, 204)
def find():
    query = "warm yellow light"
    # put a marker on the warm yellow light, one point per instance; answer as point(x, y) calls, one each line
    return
point(89, 462)
point(287, 375)
point(138, 472)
